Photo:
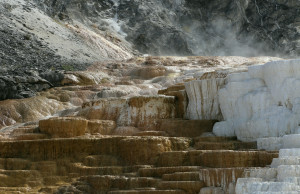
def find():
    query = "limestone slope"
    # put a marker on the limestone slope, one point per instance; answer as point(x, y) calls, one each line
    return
point(36, 48)
point(32, 40)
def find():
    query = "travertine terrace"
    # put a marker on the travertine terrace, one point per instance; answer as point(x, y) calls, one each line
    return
point(151, 126)
point(150, 96)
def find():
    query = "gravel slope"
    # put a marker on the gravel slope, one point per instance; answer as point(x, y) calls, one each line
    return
point(31, 40)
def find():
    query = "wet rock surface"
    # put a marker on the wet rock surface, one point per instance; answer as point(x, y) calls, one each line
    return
point(116, 129)
point(122, 164)
point(89, 115)
point(105, 82)
point(63, 127)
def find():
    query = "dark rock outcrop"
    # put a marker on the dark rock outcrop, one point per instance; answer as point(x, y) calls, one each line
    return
point(193, 27)
point(14, 87)
point(28, 83)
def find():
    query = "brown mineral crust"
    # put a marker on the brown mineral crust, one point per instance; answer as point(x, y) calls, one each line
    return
point(229, 158)
point(141, 112)
point(181, 100)
point(64, 127)
point(130, 149)
point(104, 127)
point(186, 128)
point(133, 148)
point(145, 111)
point(104, 109)
point(148, 72)
point(125, 131)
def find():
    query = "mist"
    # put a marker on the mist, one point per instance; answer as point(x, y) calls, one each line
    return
point(190, 27)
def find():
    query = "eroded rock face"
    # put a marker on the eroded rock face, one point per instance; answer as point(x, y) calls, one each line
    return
point(60, 101)
point(181, 99)
point(141, 112)
point(187, 27)
point(95, 33)
point(13, 111)
point(105, 109)
point(220, 178)
point(131, 149)
point(203, 97)
point(36, 49)
point(47, 42)
point(54, 149)
point(203, 88)
point(14, 87)
point(148, 72)
point(126, 131)
point(64, 127)
point(212, 190)
point(103, 127)
point(186, 128)
point(83, 78)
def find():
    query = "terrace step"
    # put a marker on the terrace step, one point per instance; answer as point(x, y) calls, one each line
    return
point(20, 178)
point(101, 160)
point(181, 176)
point(217, 158)
point(151, 133)
point(160, 171)
point(146, 191)
point(231, 145)
point(32, 136)
point(186, 128)
point(14, 164)
point(187, 186)
point(220, 177)
point(83, 170)
point(214, 139)
point(17, 190)
point(109, 182)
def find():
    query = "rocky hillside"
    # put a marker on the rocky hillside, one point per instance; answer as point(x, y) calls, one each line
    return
point(39, 39)
point(66, 35)
point(37, 48)
point(191, 27)
point(33, 40)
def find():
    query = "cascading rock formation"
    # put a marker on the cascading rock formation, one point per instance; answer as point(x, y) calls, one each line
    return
point(150, 96)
